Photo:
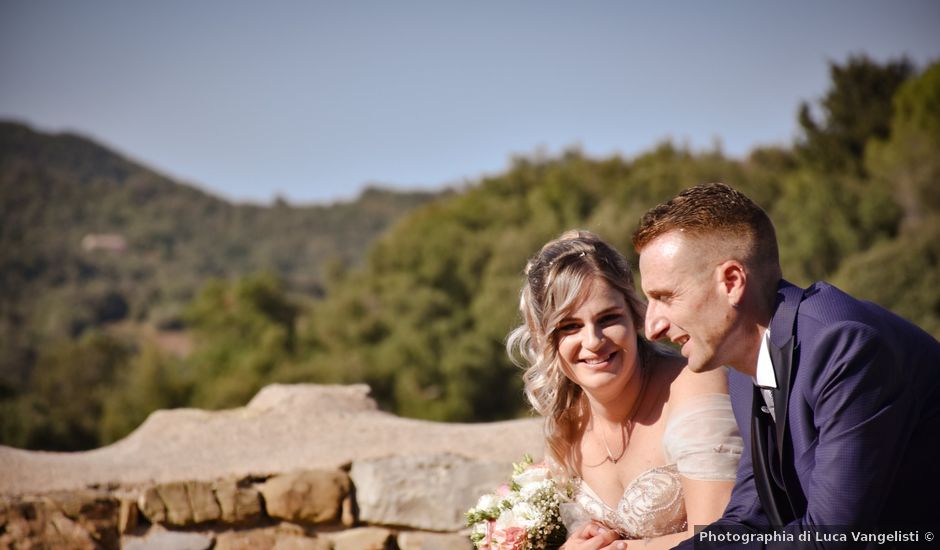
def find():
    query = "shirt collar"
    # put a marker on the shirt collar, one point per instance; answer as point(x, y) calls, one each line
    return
point(765, 377)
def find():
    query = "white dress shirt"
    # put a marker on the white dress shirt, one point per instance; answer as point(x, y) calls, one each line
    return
point(766, 378)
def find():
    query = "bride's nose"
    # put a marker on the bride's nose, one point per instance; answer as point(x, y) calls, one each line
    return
point(593, 338)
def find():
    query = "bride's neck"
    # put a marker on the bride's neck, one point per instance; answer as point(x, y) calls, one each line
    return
point(617, 410)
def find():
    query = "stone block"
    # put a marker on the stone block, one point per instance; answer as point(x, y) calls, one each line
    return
point(180, 503)
point(282, 537)
point(301, 543)
point(151, 505)
point(425, 492)
point(239, 503)
point(310, 496)
point(247, 539)
point(82, 502)
point(363, 538)
point(14, 522)
point(176, 499)
point(95, 513)
point(169, 540)
point(348, 513)
point(202, 502)
point(61, 531)
point(423, 540)
point(35, 522)
point(127, 516)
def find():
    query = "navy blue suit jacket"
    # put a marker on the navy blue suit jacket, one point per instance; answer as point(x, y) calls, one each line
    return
point(857, 437)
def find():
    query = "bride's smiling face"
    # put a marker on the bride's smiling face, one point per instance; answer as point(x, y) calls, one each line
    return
point(597, 340)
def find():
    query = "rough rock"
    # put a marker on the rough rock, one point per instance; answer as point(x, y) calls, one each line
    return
point(41, 523)
point(313, 496)
point(284, 428)
point(282, 537)
point(127, 515)
point(314, 455)
point(192, 502)
point(429, 492)
point(180, 503)
point(363, 538)
point(169, 540)
point(419, 540)
point(95, 512)
point(239, 501)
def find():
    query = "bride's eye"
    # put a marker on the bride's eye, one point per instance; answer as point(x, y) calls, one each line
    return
point(567, 328)
point(610, 319)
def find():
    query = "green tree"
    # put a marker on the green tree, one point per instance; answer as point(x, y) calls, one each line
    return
point(829, 208)
point(424, 320)
point(821, 221)
point(422, 316)
point(901, 275)
point(63, 409)
point(908, 162)
point(856, 108)
point(243, 330)
point(152, 380)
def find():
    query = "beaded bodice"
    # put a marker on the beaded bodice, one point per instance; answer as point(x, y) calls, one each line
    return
point(700, 441)
point(652, 505)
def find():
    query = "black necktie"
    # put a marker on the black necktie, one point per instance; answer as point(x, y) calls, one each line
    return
point(767, 394)
point(764, 461)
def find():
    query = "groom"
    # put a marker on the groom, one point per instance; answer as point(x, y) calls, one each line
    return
point(838, 399)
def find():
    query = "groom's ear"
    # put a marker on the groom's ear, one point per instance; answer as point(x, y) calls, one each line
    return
point(733, 279)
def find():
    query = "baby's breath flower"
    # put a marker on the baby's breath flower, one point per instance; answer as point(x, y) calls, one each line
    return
point(523, 515)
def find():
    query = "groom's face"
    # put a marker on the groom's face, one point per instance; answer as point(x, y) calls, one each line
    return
point(686, 304)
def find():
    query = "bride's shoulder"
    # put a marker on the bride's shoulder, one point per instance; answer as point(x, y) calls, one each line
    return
point(687, 385)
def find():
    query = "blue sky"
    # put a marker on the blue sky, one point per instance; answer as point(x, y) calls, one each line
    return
point(314, 100)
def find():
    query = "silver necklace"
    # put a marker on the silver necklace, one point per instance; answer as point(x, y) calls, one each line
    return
point(626, 427)
point(623, 441)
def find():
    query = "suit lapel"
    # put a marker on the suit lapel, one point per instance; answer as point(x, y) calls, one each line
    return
point(781, 349)
point(771, 495)
point(782, 359)
point(782, 338)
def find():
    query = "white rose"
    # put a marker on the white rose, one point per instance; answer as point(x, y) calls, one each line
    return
point(526, 515)
point(530, 489)
point(532, 475)
point(487, 502)
point(479, 529)
point(506, 519)
point(511, 498)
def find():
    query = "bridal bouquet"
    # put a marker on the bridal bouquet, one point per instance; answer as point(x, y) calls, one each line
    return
point(523, 515)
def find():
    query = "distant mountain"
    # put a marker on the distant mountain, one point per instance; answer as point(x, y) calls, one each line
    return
point(88, 236)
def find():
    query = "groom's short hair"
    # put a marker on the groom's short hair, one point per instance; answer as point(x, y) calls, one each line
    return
point(734, 223)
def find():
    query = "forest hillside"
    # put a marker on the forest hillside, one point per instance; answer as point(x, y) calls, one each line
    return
point(422, 318)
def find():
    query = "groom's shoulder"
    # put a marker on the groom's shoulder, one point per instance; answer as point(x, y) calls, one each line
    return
point(828, 302)
point(825, 306)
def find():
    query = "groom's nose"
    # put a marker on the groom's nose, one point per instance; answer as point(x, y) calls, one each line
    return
point(656, 325)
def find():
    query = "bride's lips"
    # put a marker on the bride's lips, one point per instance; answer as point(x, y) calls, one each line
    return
point(599, 362)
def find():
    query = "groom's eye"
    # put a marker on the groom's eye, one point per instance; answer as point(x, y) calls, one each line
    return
point(660, 297)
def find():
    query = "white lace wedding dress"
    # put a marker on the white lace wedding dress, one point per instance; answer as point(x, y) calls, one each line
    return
point(701, 441)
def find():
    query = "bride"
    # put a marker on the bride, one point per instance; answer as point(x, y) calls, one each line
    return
point(651, 447)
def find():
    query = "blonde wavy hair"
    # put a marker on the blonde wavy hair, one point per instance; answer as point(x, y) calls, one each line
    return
point(556, 279)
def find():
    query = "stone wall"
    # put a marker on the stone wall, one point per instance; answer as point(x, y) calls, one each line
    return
point(301, 466)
